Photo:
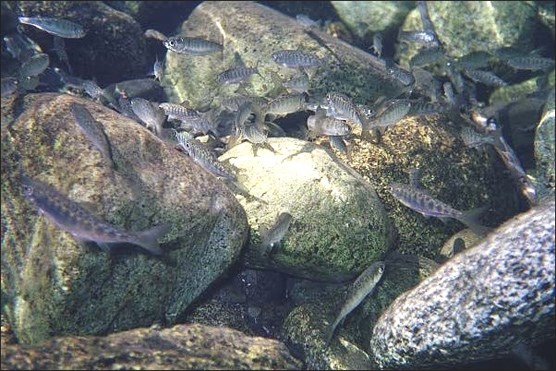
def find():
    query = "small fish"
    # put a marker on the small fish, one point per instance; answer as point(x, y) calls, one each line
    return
point(449, 94)
point(151, 115)
point(202, 155)
point(425, 38)
point(421, 108)
point(56, 26)
point(236, 75)
point(298, 84)
point(178, 112)
point(395, 72)
point(421, 201)
point(59, 46)
point(34, 66)
point(530, 63)
point(295, 59)
point(306, 22)
point(96, 92)
point(485, 77)
point(21, 47)
point(9, 86)
point(29, 83)
point(233, 103)
point(191, 45)
point(377, 44)
point(154, 34)
point(93, 130)
point(287, 104)
point(474, 60)
point(341, 107)
point(158, 69)
point(394, 112)
point(472, 139)
point(427, 57)
point(323, 125)
point(271, 237)
point(83, 225)
point(361, 288)
point(337, 143)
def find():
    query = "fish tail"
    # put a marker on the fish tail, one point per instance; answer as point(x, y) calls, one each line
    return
point(329, 334)
point(471, 219)
point(148, 239)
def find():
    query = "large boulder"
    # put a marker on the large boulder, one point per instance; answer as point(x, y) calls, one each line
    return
point(339, 225)
point(182, 347)
point(54, 285)
point(545, 147)
point(481, 304)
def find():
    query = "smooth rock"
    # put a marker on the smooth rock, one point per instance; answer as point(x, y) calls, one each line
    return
point(480, 304)
point(182, 347)
point(54, 285)
point(339, 225)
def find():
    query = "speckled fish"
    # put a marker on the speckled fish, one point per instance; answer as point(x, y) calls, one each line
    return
point(530, 63)
point(191, 45)
point(236, 75)
point(426, 57)
point(34, 66)
point(324, 125)
point(472, 139)
point(395, 72)
point(341, 107)
point(298, 83)
point(295, 59)
point(420, 108)
point(485, 77)
point(56, 26)
point(178, 112)
point(421, 201)
point(361, 288)
point(287, 104)
point(83, 225)
point(96, 92)
point(9, 86)
point(425, 38)
point(271, 237)
point(202, 155)
point(152, 116)
point(93, 130)
point(233, 103)
point(306, 22)
point(393, 113)
point(474, 60)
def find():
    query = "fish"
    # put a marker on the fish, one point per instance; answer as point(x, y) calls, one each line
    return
point(474, 60)
point(93, 130)
point(395, 72)
point(420, 108)
point(295, 59)
point(323, 125)
point(530, 63)
point(191, 45)
point(306, 22)
point(298, 83)
point(473, 139)
point(377, 44)
point(21, 47)
point(151, 115)
point(394, 112)
point(272, 236)
point(154, 34)
point(158, 69)
point(361, 288)
point(9, 86)
point(71, 217)
point(236, 75)
point(421, 201)
point(202, 155)
point(59, 46)
point(425, 38)
point(96, 92)
point(55, 26)
point(485, 77)
point(34, 66)
point(287, 104)
point(178, 112)
point(337, 143)
point(426, 57)
point(341, 107)
point(233, 103)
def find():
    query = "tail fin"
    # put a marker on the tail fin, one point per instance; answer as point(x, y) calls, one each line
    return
point(148, 239)
point(470, 219)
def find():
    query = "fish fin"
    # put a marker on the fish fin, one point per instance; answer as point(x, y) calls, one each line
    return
point(470, 219)
point(415, 178)
point(444, 219)
point(148, 239)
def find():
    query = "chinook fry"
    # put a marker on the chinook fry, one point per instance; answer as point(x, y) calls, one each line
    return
point(71, 217)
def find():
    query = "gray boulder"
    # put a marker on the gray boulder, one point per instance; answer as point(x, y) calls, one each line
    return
point(54, 285)
point(480, 304)
point(545, 147)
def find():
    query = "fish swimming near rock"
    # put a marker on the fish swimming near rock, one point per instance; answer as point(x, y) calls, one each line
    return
point(295, 59)
point(83, 225)
point(93, 130)
point(272, 236)
point(191, 45)
point(361, 288)
point(55, 26)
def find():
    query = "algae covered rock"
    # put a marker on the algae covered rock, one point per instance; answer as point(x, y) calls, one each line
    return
point(253, 32)
point(338, 223)
point(545, 147)
point(182, 347)
point(51, 283)
point(113, 48)
point(480, 304)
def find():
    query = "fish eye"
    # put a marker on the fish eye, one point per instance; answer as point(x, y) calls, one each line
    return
point(27, 190)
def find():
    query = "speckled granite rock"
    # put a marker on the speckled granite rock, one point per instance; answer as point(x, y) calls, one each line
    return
point(480, 304)
point(466, 26)
point(545, 147)
point(318, 305)
point(113, 48)
point(339, 225)
point(255, 31)
point(182, 347)
point(52, 284)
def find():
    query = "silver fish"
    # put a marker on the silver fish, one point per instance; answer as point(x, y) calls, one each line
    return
point(191, 45)
point(298, 83)
point(361, 288)
point(236, 75)
point(341, 107)
point(425, 38)
point(178, 112)
point(421, 201)
point(272, 236)
point(152, 116)
point(34, 66)
point(93, 130)
point(485, 77)
point(287, 104)
point(393, 113)
point(377, 44)
point(530, 63)
point(202, 155)
point(83, 225)
point(158, 69)
point(9, 86)
point(56, 26)
point(474, 60)
point(96, 92)
point(472, 139)
point(323, 125)
point(399, 74)
point(306, 22)
point(426, 57)
point(295, 59)
point(233, 103)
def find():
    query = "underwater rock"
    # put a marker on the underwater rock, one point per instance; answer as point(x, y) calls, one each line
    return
point(460, 241)
point(147, 89)
point(364, 18)
point(478, 305)
point(255, 32)
point(545, 147)
point(54, 285)
point(182, 347)
point(338, 226)
point(113, 48)
point(466, 26)
point(319, 304)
